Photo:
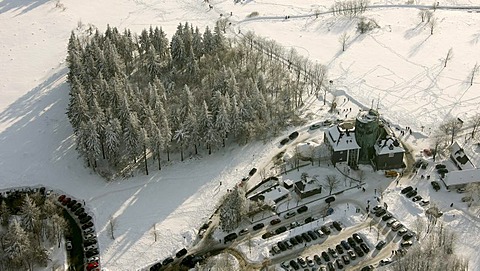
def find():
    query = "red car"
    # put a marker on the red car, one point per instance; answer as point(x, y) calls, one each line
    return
point(66, 201)
point(92, 265)
point(61, 198)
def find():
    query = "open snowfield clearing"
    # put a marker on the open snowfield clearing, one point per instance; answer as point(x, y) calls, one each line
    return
point(399, 66)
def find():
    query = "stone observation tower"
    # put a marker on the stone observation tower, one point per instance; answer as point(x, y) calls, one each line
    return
point(367, 131)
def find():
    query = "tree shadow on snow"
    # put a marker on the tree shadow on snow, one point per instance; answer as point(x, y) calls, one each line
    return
point(23, 5)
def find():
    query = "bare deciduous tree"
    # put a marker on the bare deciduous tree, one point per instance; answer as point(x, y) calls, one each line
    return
point(474, 73)
point(433, 24)
point(422, 14)
point(343, 40)
point(448, 57)
point(451, 127)
point(475, 121)
point(331, 182)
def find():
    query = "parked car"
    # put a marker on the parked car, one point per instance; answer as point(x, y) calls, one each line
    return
point(352, 255)
point(294, 264)
point(76, 206)
point(402, 231)
point(406, 244)
point(364, 247)
point(332, 252)
point(91, 253)
point(380, 245)
point(282, 246)
point(467, 199)
point(68, 245)
point(339, 249)
point(281, 230)
point(330, 266)
point(268, 234)
point(275, 221)
point(345, 244)
point(252, 171)
point(85, 219)
point(461, 190)
point(411, 194)
point(87, 225)
point(66, 201)
point(387, 216)
point(294, 224)
point(312, 235)
point(156, 267)
point(391, 221)
point(258, 226)
point(288, 244)
point(325, 230)
point(90, 242)
point(346, 259)
point(424, 202)
point(351, 242)
point(92, 266)
point(306, 237)
point(309, 219)
point(289, 215)
point(438, 166)
point(359, 251)
point(442, 170)
point(299, 239)
point(319, 232)
point(293, 135)
point(406, 190)
point(339, 264)
point(285, 265)
point(330, 199)
point(417, 198)
point(357, 238)
point(243, 232)
point(302, 209)
point(409, 235)
point(167, 261)
point(79, 211)
point(91, 247)
point(284, 141)
point(309, 261)
point(385, 261)
point(71, 203)
point(435, 185)
point(82, 215)
point(302, 262)
point(89, 236)
point(230, 237)
point(368, 268)
point(93, 259)
point(294, 241)
point(317, 259)
point(337, 226)
point(325, 256)
point(380, 212)
point(61, 198)
point(315, 126)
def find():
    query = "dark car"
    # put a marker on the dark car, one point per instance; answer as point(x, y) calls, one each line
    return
point(268, 234)
point(365, 248)
point(87, 225)
point(306, 237)
point(325, 256)
point(312, 235)
point(182, 252)
point(71, 203)
point(330, 199)
point(417, 198)
point(230, 237)
point(330, 266)
point(293, 135)
point(345, 259)
point(339, 249)
point(85, 219)
point(302, 209)
point(357, 238)
point(351, 242)
point(407, 236)
point(337, 226)
point(293, 241)
point(406, 190)
point(284, 141)
point(359, 251)
point(317, 259)
point(380, 212)
point(435, 185)
point(442, 170)
point(282, 246)
point(252, 171)
point(367, 268)
point(332, 252)
point(294, 264)
point(79, 211)
point(299, 239)
point(411, 194)
point(345, 245)
point(76, 206)
point(156, 267)
point(326, 230)
point(339, 264)
point(66, 201)
point(275, 221)
point(91, 253)
point(167, 261)
point(89, 242)
point(82, 215)
point(61, 198)
point(380, 245)
point(438, 166)
point(309, 219)
point(258, 226)
point(352, 255)
point(387, 216)
point(281, 230)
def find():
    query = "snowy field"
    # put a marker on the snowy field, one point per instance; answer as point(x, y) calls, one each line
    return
point(399, 67)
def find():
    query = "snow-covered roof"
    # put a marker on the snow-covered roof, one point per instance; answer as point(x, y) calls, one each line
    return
point(458, 154)
point(274, 193)
point(308, 185)
point(342, 139)
point(462, 177)
point(388, 145)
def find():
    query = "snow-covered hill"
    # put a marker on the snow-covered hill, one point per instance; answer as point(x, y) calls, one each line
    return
point(399, 67)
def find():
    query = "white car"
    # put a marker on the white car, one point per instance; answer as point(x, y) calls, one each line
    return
point(88, 231)
point(89, 236)
point(289, 214)
point(385, 261)
point(424, 203)
point(90, 247)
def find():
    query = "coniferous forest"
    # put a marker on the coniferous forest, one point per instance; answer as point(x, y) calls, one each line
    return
point(135, 99)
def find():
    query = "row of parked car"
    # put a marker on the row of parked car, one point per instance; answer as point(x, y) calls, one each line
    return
point(90, 242)
point(334, 258)
point(409, 192)
point(188, 261)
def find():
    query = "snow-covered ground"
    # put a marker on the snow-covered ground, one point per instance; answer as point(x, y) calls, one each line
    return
point(397, 67)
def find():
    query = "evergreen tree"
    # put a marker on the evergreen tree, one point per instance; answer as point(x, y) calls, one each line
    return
point(233, 209)
point(30, 215)
point(16, 245)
